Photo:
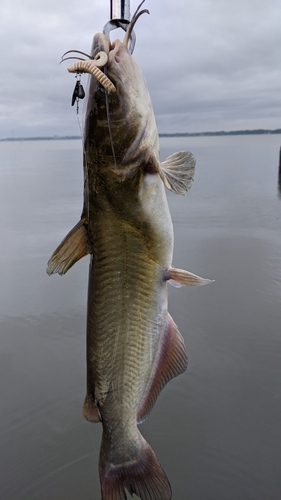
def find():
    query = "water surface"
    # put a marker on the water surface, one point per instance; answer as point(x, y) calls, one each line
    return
point(216, 428)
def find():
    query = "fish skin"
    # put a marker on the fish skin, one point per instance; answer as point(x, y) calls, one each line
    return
point(133, 346)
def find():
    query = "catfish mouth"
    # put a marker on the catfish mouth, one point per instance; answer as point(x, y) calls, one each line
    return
point(115, 58)
point(97, 65)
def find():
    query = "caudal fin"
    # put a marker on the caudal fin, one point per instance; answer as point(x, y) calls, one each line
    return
point(144, 477)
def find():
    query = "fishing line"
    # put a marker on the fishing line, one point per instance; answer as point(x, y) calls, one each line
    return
point(93, 439)
point(78, 119)
point(90, 427)
point(109, 125)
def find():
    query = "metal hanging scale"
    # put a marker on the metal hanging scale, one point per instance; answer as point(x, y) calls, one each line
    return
point(120, 18)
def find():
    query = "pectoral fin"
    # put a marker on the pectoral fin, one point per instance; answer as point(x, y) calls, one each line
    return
point(171, 362)
point(180, 277)
point(72, 248)
point(177, 172)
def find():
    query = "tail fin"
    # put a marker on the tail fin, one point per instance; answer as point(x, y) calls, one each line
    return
point(144, 477)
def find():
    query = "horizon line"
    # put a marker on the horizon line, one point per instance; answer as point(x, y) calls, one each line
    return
point(161, 134)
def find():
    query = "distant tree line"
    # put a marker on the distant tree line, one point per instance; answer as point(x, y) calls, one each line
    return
point(178, 134)
point(222, 132)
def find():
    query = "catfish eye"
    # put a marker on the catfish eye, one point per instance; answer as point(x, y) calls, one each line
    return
point(150, 169)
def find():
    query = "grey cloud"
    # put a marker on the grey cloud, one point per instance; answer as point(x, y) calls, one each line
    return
point(209, 64)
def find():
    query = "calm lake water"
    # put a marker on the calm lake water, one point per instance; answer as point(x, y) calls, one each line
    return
point(215, 429)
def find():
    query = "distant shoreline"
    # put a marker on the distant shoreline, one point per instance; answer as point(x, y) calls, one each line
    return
point(178, 134)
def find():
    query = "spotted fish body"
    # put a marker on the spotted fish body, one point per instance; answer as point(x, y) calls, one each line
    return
point(133, 346)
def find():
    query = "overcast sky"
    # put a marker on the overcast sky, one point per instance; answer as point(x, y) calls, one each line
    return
point(209, 64)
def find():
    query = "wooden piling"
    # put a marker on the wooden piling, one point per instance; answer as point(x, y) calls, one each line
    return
point(279, 174)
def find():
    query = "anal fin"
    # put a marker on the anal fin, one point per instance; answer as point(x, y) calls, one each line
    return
point(172, 362)
point(72, 248)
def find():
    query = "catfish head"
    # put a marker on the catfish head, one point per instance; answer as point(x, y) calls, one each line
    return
point(119, 120)
point(120, 132)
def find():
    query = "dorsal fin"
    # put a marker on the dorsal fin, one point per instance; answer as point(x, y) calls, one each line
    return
point(171, 362)
point(177, 172)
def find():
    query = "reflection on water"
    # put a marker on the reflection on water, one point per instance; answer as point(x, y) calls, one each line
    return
point(45, 450)
point(215, 429)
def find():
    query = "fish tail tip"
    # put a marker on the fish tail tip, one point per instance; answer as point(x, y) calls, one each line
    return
point(144, 477)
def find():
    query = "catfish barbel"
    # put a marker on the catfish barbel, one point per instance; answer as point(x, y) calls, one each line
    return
point(133, 345)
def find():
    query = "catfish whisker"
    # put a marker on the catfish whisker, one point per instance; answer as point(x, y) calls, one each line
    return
point(77, 52)
point(134, 19)
point(77, 58)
